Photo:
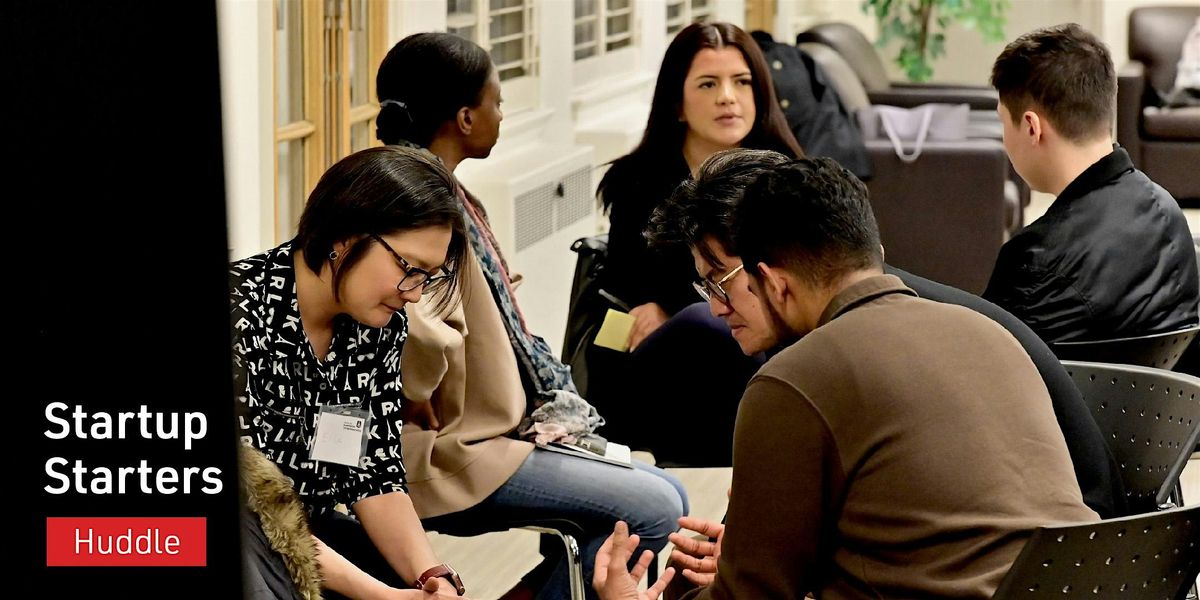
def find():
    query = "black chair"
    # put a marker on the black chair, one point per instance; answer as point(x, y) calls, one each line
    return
point(586, 309)
point(1159, 350)
point(1152, 555)
point(862, 56)
point(1150, 419)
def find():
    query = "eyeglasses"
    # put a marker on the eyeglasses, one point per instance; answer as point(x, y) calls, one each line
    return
point(415, 277)
point(709, 289)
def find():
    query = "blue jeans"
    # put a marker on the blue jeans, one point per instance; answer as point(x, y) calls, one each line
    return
point(551, 487)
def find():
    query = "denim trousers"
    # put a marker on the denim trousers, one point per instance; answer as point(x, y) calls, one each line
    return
point(550, 488)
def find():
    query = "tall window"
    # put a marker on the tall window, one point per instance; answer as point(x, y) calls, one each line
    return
point(326, 55)
point(502, 27)
point(602, 26)
point(681, 13)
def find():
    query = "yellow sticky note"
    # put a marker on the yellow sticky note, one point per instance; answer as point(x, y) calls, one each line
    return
point(614, 332)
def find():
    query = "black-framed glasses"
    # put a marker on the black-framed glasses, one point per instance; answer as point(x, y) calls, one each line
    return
point(709, 289)
point(415, 277)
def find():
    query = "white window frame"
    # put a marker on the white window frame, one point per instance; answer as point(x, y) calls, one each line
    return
point(688, 14)
point(603, 38)
point(520, 93)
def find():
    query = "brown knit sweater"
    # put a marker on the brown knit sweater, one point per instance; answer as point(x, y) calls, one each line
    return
point(903, 449)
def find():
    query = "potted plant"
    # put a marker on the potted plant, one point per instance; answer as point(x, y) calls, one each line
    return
point(920, 26)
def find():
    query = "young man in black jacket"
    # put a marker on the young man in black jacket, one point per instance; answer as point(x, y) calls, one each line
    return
point(1112, 257)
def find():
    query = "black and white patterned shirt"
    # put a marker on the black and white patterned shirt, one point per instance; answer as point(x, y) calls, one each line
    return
point(281, 385)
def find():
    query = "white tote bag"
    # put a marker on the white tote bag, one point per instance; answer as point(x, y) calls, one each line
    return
point(940, 122)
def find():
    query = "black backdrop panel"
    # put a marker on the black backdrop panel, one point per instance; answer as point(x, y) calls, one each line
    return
point(114, 221)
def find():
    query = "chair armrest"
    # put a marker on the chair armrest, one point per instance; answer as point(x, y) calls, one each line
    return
point(979, 99)
point(1131, 90)
point(944, 216)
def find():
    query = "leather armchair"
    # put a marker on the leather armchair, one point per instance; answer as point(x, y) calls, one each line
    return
point(1163, 142)
point(860, 54)
point(943, 217)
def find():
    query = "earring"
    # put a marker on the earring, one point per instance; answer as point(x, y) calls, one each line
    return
point(333, 255)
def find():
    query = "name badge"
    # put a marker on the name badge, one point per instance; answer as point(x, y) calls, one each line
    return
point(341, 435)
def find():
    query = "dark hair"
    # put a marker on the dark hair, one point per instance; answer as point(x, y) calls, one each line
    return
point(704, 206)
point(665, 133)
point(427, 77)
point(1063, 71)
point(811, 217)
point(380, 191)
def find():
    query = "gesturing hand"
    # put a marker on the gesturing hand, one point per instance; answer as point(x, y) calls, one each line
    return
point(698, 557)
point(612, 580)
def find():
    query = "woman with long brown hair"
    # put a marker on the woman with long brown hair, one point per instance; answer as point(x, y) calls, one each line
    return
point(714, 93)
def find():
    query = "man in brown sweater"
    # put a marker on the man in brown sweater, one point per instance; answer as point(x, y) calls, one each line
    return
point(900, 448)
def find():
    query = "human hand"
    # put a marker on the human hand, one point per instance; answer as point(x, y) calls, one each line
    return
point(421, 414)
point(698, 557)
point(613, 581)
point(647, 318)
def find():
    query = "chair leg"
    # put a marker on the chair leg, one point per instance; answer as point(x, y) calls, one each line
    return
point(574, 560)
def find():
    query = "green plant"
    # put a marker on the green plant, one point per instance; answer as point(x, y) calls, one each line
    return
point(921, 24)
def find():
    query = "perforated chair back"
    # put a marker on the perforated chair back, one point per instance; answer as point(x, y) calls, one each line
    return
point(1160, 350)
point(1154, 555)
point(1150, 419)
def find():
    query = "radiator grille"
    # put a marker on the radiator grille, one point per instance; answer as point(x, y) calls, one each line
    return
point(552, 206)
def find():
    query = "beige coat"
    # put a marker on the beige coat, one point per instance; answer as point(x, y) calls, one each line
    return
point(471, 375)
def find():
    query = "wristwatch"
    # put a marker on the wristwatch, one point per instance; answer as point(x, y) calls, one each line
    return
point(444, 571)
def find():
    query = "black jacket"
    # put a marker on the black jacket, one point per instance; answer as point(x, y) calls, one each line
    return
point(1111, 258)
point(634, 272)
point(812, 107)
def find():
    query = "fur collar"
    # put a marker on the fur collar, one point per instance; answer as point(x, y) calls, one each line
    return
point(269, 494)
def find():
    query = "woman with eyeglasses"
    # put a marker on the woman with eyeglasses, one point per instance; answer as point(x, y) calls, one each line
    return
point(473, 376)
point(713, 93)
point(319, 325)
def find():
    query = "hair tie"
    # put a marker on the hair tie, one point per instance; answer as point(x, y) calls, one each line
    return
point(402, 106)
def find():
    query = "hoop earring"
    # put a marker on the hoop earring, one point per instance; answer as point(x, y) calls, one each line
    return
point(333, 255)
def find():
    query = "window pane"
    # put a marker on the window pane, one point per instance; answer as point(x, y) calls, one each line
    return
point(464, 32)
point(585, 33)
point(289, 62)
point(360, 135)
point(499, 4)
point(359, 56)
point(507, 52)
point(618, 44)
point(618, 25)
point(459, 7)
point(461, 19)
point(512, 73)
point(674, 11)
point(617, 4)
point(290, 188)
point(507, 24)
point(585, 8)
